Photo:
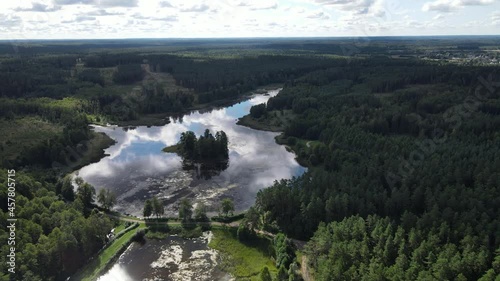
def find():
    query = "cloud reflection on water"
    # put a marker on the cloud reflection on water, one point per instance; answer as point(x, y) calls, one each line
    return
point(255, 160)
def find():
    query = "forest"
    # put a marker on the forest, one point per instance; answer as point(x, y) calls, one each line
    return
point(404, 171)
point(402, 152)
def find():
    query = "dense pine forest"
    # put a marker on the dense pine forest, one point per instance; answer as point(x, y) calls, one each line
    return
point(404, 174)
point(403, 151)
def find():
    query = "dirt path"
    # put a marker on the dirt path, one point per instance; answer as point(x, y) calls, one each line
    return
point(128, 219)
point(304, 269)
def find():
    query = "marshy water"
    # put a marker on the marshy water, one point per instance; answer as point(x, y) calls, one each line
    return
point(137, 169)
point(170, 259)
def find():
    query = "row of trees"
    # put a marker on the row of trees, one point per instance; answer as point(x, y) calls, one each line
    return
point(155, 207)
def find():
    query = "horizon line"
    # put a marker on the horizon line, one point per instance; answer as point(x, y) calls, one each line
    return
point(247, 37)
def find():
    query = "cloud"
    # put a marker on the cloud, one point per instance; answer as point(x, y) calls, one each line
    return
point(195, 8)
point(171, 18)
point(438, 17)
point(165, 4)
point(116, 3)
point(9, 20)
point(102, 12)
point(167, 18)
point(495, 18)
point(84, 18)
point(265, 7)
point(440, 6)
point(73, 2)
point(38, 7)
point(99, 3)
point(356, 6)
point(447, 6)
point(318, 15)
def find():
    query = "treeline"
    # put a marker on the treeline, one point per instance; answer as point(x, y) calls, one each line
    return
point(56, 232)
point(215, 79)
point(420, 156)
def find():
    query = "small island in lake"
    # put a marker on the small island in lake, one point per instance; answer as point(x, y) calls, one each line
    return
point(208, 154)
point(206, 147)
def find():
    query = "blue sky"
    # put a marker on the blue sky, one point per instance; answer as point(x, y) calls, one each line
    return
point(74, 19)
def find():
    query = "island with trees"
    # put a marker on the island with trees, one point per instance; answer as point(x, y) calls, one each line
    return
point(207, 154)
point(205, 148)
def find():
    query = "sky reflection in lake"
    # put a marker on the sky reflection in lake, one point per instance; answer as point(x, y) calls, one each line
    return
point(136, 168)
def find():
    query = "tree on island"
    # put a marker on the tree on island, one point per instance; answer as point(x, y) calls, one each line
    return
point(206, 147)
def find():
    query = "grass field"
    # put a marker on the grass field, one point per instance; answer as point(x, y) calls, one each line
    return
point(242, 261)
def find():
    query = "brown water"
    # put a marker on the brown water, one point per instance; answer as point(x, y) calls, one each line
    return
point(171, 259)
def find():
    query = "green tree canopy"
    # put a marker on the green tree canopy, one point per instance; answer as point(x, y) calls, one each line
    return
point(227, 207)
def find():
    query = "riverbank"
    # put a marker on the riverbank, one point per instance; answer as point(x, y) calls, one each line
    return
point(93, 153)
point(272, 121)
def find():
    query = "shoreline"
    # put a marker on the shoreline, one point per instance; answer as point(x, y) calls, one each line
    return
point(161, 119)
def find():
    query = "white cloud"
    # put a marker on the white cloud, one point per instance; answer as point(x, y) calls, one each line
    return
point(38, 7)
point(356, 6)
point(100, 3)
point(447, 6)
point(9, 20)
point(195, 8)
point(495, 18)
point(318, 15)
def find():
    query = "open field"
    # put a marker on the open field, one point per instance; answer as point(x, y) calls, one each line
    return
point(243, 261)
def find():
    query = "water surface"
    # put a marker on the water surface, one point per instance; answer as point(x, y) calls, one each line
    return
point(171, 259)
point(136, 168)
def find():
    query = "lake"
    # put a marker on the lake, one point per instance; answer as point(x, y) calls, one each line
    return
point(137, 169)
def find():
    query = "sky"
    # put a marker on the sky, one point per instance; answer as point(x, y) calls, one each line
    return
point(99, 19)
